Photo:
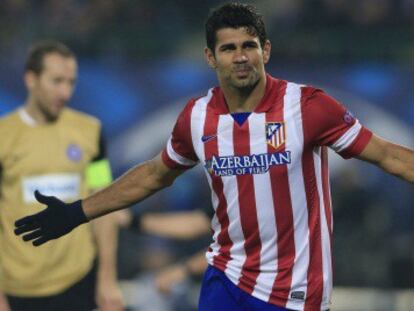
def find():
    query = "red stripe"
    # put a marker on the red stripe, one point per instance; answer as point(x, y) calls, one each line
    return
point(210, 149)
point(248, 213)
point(284, 220)
point(315, 273)
point(358, 145)
point(181, 139)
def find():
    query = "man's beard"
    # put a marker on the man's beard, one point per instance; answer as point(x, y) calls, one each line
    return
point(50, 117)
point(246, 85)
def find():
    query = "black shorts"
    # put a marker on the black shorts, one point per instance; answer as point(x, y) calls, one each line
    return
point(79, 297)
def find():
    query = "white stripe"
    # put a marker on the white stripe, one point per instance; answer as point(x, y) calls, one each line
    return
point(265, 212)
point(230, 190)
point(178, 158)
point(198, 119)
point(294, 144)
point(326, 247)
point(215, 225)
point(347, 138)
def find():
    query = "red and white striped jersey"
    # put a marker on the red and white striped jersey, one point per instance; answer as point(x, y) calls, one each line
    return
point(270, 187)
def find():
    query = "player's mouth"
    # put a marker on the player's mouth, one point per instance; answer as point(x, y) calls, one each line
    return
point(58, 106)
point(242, 72)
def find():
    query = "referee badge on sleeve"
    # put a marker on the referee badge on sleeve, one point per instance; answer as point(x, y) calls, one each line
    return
point(275, 134)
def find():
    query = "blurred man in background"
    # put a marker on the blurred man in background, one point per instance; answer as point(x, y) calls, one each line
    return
point(61, 151)
point(263, 143)
point(185, 225)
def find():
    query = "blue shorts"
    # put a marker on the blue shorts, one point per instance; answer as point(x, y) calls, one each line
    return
point(218, 293)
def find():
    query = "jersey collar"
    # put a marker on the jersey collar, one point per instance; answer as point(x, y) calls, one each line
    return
point(26, 118)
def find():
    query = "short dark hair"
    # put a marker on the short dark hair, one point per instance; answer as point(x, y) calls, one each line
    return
point(234, 15)
point(38, 51)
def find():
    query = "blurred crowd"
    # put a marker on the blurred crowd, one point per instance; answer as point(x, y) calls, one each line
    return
point(318, 29)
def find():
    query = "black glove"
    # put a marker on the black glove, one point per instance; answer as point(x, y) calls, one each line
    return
point(59, 218)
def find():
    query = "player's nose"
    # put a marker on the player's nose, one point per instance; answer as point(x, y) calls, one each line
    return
point(240, 56)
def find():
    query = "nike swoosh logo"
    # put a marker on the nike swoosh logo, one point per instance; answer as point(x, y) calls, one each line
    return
point(207, 138)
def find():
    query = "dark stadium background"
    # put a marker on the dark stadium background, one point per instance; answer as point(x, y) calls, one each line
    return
point(140, 61)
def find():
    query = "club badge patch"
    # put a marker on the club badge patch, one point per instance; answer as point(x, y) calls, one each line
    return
point(74, 153)
point(275, 134)
point(349, 118)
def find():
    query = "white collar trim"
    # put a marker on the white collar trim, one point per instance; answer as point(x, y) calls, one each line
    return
point(26, 118)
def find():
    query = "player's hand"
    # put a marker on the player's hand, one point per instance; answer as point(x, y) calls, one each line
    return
point(59, 218)
point(109, 296)
point(4, 305)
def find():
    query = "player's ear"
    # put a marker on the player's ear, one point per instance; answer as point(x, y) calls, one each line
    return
point(266, 51)
point(29, 79)
point(210, 58)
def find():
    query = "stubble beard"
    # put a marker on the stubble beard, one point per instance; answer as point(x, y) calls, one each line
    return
point(47, 113)
point(245, 85)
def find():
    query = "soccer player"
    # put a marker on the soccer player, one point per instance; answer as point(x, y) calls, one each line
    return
point(59, 151)
point(263, 142)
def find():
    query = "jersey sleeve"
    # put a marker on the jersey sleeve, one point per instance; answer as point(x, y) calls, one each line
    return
point(179, 152)
point(98, 172)
point(328, 123)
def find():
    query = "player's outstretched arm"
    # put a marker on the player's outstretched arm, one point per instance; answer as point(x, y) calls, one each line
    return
point(392, 158)
point(60, 218)
point(134, 186)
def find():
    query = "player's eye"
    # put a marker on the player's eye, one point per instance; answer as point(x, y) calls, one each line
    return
point(227, 47)
point(57, 80)
point(250, 45)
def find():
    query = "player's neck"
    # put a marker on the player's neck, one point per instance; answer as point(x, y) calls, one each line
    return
point(34, 112)
point(244, 100)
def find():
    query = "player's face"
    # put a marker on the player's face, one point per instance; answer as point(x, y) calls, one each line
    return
point(238, 58)
point(54, 86)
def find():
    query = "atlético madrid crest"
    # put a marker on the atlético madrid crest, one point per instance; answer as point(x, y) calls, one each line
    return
point(275, 134)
